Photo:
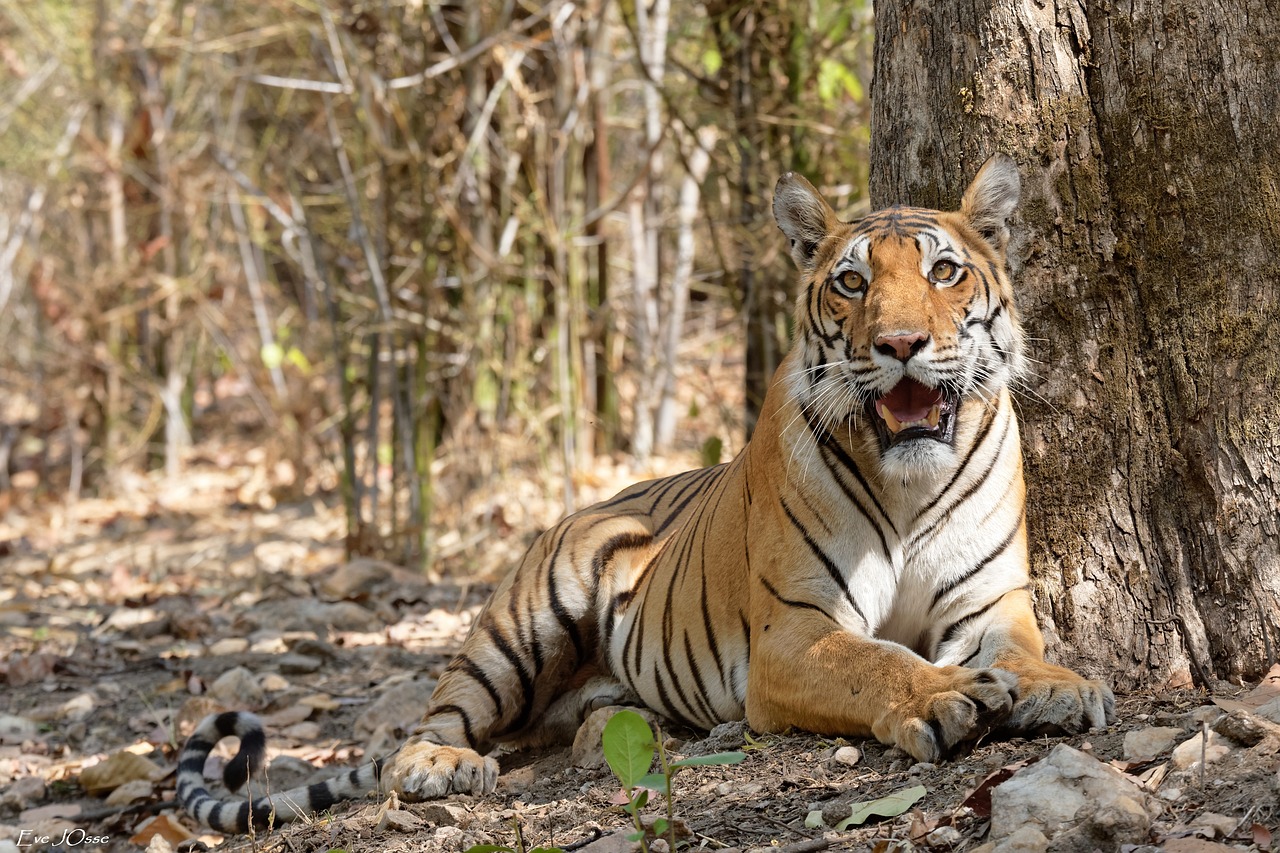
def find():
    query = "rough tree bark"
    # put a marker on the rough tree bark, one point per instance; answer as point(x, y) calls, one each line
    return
point(1146, 133)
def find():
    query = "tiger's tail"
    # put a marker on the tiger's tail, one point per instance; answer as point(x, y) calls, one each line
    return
point(232, 817)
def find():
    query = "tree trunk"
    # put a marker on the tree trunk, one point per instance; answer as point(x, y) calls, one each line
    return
point(1151, 223)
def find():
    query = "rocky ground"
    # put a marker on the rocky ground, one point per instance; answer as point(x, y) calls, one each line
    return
point(125, 622)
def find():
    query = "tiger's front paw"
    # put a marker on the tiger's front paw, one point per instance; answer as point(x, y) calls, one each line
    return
point(424, 771)
point(964, 704)
point(1054, 700)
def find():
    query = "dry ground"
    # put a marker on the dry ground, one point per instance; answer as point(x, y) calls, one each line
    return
point(121, 620)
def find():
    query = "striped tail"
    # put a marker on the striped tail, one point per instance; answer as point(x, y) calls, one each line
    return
point(261, 813)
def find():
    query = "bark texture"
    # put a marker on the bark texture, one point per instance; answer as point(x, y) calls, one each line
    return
point(1150, 286)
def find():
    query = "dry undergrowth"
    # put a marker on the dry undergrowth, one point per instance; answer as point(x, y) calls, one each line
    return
point(122, 619)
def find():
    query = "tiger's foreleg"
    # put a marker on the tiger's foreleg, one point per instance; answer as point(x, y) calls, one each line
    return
point(1049, 698)
point(808, 673)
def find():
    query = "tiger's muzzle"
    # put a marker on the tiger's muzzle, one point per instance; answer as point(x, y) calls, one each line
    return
point(913, 411)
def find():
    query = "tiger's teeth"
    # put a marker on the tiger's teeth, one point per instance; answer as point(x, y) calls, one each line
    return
point(896, 426)
point(889, 420)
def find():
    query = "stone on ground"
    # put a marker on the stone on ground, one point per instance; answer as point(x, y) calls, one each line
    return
point(1145, 744)
point(1187, 754)
point(1072, 801)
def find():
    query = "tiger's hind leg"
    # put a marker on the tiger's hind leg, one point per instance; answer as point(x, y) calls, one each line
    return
point(430, 770)
point(537, 631)
point(560, 722)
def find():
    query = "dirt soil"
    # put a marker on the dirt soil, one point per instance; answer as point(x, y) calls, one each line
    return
point(123, 622)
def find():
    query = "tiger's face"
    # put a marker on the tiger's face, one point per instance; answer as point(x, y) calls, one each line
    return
point(905, 318)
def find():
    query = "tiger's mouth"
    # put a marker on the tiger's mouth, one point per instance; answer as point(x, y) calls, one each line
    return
point(912, 412)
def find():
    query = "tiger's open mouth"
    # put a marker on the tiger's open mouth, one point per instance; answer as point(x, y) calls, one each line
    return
point(913, 411)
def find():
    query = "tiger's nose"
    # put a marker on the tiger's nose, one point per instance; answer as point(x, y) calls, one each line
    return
point(902, 347)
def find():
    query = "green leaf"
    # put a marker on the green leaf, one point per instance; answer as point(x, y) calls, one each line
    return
point(712, 449)
point(298, 359)
point(712, 61)
point(753, 744)
point(628, 747)
point(833, 77)
point(660, 826)
point(813, 820)
point(713, 758)
point(654, 782)
point(634, 836)
point(890, 806)
point(272, 355)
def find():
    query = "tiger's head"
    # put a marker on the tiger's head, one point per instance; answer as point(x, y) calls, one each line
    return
point(905, 320)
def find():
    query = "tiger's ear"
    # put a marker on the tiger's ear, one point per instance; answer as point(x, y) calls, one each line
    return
point(803, 215)
point(991, 198)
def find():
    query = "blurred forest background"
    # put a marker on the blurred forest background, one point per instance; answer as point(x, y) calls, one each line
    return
point(374, 243)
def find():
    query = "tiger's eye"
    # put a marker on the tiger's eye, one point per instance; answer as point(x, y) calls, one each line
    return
point(850, 283)
point(943, 271)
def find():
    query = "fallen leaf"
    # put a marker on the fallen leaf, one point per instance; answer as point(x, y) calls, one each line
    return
point(52, 811)
point(320, 702)
point(302, 731)
point(813, 819)
point(1267, 689)
point(164, 826)
point(980, 799)
point(27, 669)
point(118, 769)
point(890, 806)
point(287, 716)
point(138, 789)
point(1261, 837)
point(921, 825)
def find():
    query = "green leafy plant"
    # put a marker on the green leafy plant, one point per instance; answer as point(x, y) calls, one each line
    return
point(629, 747)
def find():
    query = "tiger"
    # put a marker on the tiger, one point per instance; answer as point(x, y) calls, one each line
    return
point(859, 569)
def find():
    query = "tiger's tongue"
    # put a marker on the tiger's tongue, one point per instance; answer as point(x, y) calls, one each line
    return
point(908, 402)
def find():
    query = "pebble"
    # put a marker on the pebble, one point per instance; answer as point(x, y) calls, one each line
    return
point(1270, 710)
point(399, 820)
point(445, 814)
point(1242, 727)
point(17, 729)
point(273, 682)
point(238, 688)
point(587, 751)
point(399, 707)
point(944, 836)
point(297, 664)
point(847, 755)
point(1068, 792)
point(23, 793)
point(228, 646)
point(1145, 744)
point(1187, 753)
point(1204, 714)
